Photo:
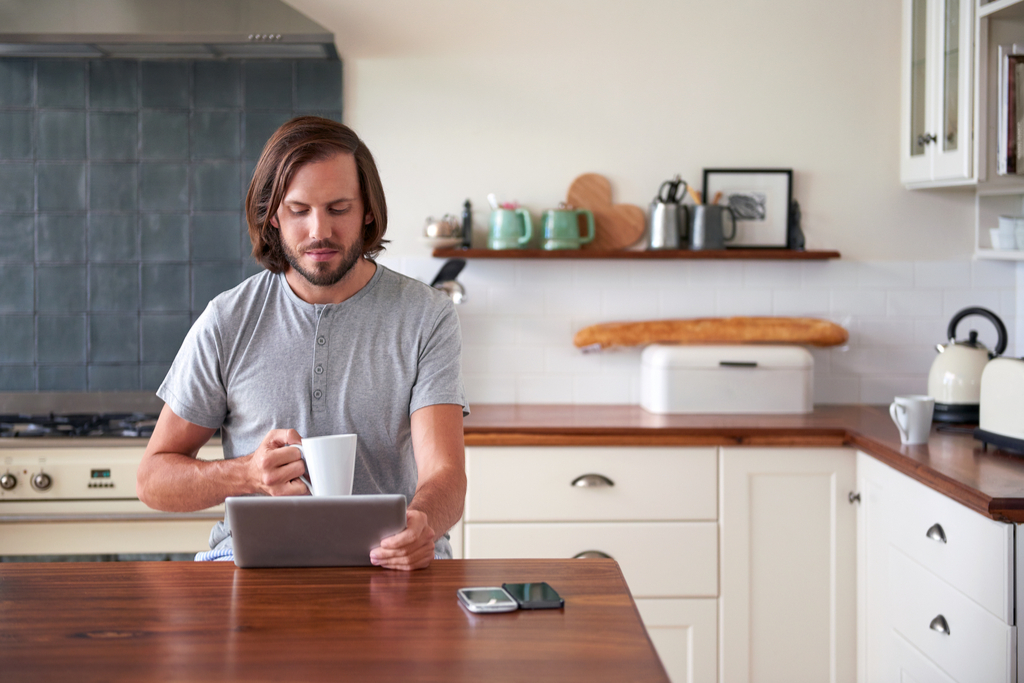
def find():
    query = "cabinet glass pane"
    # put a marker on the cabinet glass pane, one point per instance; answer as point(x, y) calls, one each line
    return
point(918, 37)
point(950, 74)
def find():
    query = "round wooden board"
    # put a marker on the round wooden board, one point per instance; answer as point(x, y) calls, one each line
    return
point(616, 226)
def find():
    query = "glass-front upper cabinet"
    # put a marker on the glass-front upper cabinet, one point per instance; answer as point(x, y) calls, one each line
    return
point(936, 146)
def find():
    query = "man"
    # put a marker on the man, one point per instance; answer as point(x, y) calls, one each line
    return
point(325, 341)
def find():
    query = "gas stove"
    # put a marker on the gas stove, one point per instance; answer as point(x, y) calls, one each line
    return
point(131, 425)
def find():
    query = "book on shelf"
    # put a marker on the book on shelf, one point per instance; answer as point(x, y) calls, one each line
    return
point(1010, 110)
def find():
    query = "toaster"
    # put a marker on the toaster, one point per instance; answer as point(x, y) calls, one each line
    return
point(1001, 414)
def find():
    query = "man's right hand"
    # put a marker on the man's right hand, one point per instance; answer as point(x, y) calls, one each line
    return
point(275, 467)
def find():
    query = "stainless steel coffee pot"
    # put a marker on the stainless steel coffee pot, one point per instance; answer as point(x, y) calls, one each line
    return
point(668, 217)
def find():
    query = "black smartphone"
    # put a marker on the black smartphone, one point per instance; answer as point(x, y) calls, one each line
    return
point(534, 595)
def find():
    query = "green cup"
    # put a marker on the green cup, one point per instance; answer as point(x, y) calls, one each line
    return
point(562, 228)
point(510, 229)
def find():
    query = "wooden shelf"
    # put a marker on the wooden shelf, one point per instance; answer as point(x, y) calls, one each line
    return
point(678, 254)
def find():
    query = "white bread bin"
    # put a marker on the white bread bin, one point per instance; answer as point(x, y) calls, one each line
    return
point(738, 378)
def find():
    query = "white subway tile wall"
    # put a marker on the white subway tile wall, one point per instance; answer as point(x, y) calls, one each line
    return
point(520, 317)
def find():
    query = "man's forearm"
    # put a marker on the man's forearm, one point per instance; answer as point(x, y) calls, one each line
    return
point(173, 482)
point(441, 499)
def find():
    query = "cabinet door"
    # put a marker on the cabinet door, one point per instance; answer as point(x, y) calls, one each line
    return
point(788, 566)
point(684, 634)
point(875, 656)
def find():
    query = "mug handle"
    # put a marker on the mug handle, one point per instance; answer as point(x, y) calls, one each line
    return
point(590, 225)
point(733, 215)
point(302, 454)
point(893, 409)
point(528, 233)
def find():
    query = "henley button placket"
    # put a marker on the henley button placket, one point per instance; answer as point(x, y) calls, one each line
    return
point(319, 363)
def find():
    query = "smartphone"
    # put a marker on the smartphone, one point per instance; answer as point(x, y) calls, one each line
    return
point(534, 595)
point(487, 599)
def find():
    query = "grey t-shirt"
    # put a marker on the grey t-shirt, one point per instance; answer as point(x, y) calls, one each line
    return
point(261, 358)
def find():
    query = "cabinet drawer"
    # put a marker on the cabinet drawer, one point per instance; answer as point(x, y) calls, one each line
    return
point(685, 634)
point(910, 665)
point(640, 483)
point(658, 559)
point(978, 646)
point(977, 555)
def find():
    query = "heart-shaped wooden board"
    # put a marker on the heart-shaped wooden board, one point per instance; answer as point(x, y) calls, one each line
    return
point(616, 226)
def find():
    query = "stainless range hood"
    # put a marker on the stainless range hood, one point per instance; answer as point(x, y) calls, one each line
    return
point(161, 29)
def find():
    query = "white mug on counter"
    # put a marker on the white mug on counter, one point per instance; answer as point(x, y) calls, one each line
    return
point(330, 462)
point(913, 417)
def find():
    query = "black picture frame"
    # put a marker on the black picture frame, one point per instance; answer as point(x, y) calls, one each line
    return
point(762, 200)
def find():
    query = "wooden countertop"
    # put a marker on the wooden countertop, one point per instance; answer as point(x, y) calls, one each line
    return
point(183, 621)
point(953, 462)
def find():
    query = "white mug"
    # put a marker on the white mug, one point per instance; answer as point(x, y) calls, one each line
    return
point(330, 462)
point(913, 417)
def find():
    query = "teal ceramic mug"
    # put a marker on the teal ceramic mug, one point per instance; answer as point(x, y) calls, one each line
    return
point(562, 228)
point(510, 229)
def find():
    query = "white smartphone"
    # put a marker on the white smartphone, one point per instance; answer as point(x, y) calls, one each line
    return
point(487, 599)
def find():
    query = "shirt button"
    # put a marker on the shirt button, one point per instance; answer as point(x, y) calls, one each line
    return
point(321, 340)
point(318, 394)
point(319, 370)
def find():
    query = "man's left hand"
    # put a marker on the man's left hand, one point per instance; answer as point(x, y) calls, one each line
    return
point(411, 548)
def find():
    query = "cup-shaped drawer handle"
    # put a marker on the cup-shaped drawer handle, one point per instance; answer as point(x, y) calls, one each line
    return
point(936, 533)
point(939, 624)
point(592, 481)
point(592, 555)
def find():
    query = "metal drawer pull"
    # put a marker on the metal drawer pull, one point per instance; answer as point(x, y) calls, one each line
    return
point(592, 555)
point(591, 481)
point(939, 624)
point(853, 497)
point(936, 533)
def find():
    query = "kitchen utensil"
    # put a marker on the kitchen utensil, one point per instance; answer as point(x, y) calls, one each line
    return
point(493, 201)
point(669, 192)
point(777, 330)
point(954, 380)
point(446, 282)
point(442, 232)
point(707, 230)
point(913, 417)
point(562, 228)
point(467, 225)
point(668, 218)
point(1000, 418)
point(510, 229)
point(330, 462)
point(617, 226)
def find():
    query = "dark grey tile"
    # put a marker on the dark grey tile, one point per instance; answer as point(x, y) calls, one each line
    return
point(61, 83)
point(113, 377)
point(215, 237)
point(16, 78)
point(113, 338)
point(163, 187)
point(17, 237)
point(16, 288)
point(259, 126)
point(217, 84)
point(165, 287)
point(19, 187)
point(61, 135)
point(216, 186)
point(251, 267)
point(60, 289)
point(152, 375)
point(62, 377)
point(113, 237)
point(164, 237)
point(113, 187)
point(164, 135)
point(17, 339)
point(113, 84)
point(113, 287)
point(17, 378)
point(165, 84)
point(332, 114)
point(16, 134)
point(268, 84)
point(216, 134)
point(113, 135)
point(162, 336)
point(210, 279)
point(317, 84)
point(61, 187)
point(61, 339)
point(60, 237)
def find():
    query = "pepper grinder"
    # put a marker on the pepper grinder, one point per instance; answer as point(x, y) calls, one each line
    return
point(467, 225)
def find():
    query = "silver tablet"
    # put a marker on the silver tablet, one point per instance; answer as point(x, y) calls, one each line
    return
point(311, 531)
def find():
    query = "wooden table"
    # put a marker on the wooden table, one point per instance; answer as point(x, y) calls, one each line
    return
point(179, 621)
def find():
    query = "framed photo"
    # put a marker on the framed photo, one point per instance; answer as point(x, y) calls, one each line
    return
point(760, 198)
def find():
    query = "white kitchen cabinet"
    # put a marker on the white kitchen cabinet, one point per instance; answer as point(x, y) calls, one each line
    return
point(684, 633)
point(936, 582)
point(937, 102)
point(787, 607)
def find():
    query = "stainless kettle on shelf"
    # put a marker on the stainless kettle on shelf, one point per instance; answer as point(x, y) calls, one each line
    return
point(954, 380)
point(668, 218)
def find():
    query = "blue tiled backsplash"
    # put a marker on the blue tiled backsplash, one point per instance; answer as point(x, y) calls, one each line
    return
point(121, 192)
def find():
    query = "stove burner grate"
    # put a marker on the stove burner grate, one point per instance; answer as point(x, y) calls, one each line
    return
point(77, 425)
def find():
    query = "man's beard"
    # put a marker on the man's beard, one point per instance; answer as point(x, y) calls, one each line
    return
point(320, 275)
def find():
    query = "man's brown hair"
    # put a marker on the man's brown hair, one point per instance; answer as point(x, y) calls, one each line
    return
point(298, 142)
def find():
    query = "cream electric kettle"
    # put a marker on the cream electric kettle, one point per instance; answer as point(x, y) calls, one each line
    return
point(955, 377)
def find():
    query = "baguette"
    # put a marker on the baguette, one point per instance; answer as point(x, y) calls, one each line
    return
point(738, 330)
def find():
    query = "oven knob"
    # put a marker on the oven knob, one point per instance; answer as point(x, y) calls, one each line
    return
point(41, 481)
point(8, 481)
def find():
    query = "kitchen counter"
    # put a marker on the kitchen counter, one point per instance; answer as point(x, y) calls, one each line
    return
point(149, 621)
point(990, 482)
